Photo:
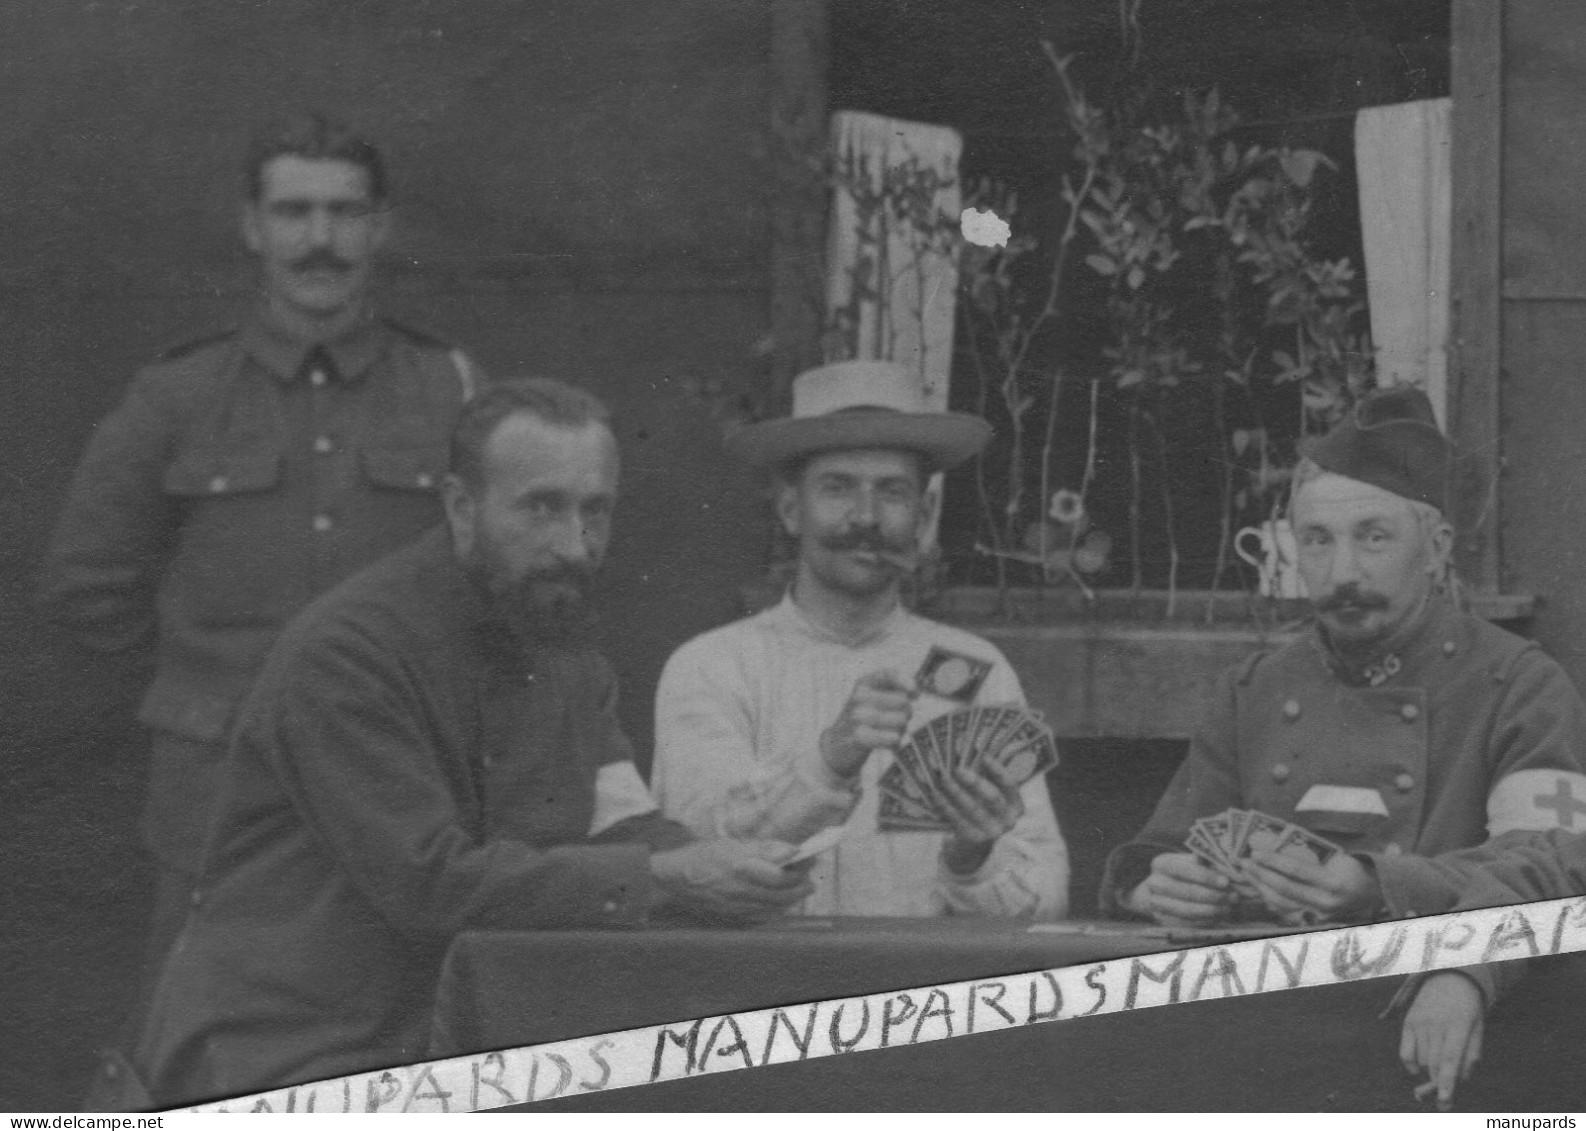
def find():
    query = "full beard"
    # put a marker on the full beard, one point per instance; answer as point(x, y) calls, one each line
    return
point(541, 608)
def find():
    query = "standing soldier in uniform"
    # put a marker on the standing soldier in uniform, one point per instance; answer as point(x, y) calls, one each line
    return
point(1399, 725)
point(244, 474)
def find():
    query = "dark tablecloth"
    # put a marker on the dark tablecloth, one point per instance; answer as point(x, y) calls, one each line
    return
point(1318, 1049)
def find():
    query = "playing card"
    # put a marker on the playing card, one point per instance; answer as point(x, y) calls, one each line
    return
point(819, 843)
point(952, 675)
point(1219, 830)
point(941, 744)
point(902, 806)
point(1023, 762)
point(996, 725)
point(1238, 827)
point(913, 759)
point(1203, 842)
point(958, 740)
point(1264, 833)
point(1307, 845)
point(1027, 750)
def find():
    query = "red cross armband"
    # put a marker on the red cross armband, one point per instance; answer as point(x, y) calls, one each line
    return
point(1537, 800)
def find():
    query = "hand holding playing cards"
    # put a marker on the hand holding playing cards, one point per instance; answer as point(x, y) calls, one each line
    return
point(1341, 888)
point(981, 803)
point(1442, 1035)
point(737, 881)
point(1231, 842)
point(1182, 891)
point(876, 717)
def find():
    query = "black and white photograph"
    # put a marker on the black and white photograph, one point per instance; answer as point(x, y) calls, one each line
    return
point(531, 521)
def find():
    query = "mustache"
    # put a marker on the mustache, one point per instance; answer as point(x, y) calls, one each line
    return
point(321, 258)
point(1350, 596)
point(865, 540)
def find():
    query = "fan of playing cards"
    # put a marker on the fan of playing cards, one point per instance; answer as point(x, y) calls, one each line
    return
point(1009, 736)
point(1226, 841)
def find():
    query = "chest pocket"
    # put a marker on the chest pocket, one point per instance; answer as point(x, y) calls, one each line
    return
point(219, 473)
point(414, 467)
point(234, 564)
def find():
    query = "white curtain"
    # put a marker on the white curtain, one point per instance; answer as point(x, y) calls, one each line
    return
point(909, 278)
point(1402, 159)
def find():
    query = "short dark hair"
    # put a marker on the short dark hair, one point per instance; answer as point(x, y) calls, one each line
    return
point(313, 137)
point(552, 402)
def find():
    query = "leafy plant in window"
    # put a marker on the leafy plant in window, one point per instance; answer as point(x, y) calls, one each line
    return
point(1211, 294)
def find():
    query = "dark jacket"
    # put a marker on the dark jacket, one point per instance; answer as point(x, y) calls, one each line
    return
point(230, 487)
point(1518, 867)
point(399, 773)
point(1416, 765)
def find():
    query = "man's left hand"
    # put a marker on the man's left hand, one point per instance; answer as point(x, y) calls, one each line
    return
point(1442, 1035)
point(982, 804)
point(1342, 888)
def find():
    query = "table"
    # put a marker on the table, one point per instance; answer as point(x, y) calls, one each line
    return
point(1321, 1048)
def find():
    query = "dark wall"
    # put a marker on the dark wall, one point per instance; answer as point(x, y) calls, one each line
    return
point(581, 193)
point(1542, 395)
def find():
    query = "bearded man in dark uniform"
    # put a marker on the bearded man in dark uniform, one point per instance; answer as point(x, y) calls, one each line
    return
point(432, 747)
point(244, 474)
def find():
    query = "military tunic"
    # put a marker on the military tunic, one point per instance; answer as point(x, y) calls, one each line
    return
point(240, 477)
point(1444, 749)
point(401, 771)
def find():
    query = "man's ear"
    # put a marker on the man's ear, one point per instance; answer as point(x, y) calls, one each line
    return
point(381, 221)
point(787, 506)
point(930, 503)
point(1442, 548)
point(462, 513)
point(249, 225)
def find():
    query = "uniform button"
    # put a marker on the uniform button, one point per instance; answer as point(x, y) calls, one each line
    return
point(611, 907)
point(1392, 849)
point(322, 523)
point(1409, 712)
point(425, 480)
point(322, 444)
point(218, 484)
point(1291, 710)
point(317, 377)
point(1449, 647)
point(1280, 772)
point(1404, 783)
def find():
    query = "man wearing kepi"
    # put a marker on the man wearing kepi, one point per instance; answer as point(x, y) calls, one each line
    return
point(430, 748)
point(247, 472)
point(1399, 725)
point(786, 723)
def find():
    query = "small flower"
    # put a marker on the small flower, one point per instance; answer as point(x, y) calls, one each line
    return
point(1067, 507)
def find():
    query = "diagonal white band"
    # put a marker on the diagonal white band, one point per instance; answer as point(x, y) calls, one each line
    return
point(755, 1038)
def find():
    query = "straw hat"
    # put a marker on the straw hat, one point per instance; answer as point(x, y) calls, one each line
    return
point(860, 404)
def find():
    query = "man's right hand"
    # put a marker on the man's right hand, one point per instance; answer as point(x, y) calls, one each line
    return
point(737, 881)
point(1181, 891)
point(876, 717)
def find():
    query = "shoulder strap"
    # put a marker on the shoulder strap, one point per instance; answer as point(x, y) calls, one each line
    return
point(193, 345)
point(465, 374)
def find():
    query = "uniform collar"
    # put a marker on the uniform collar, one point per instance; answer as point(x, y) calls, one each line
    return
point(791, 616)
point(284, 353)
point(1404, 650)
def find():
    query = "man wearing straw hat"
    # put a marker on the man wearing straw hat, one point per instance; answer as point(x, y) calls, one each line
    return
point(782, 724)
